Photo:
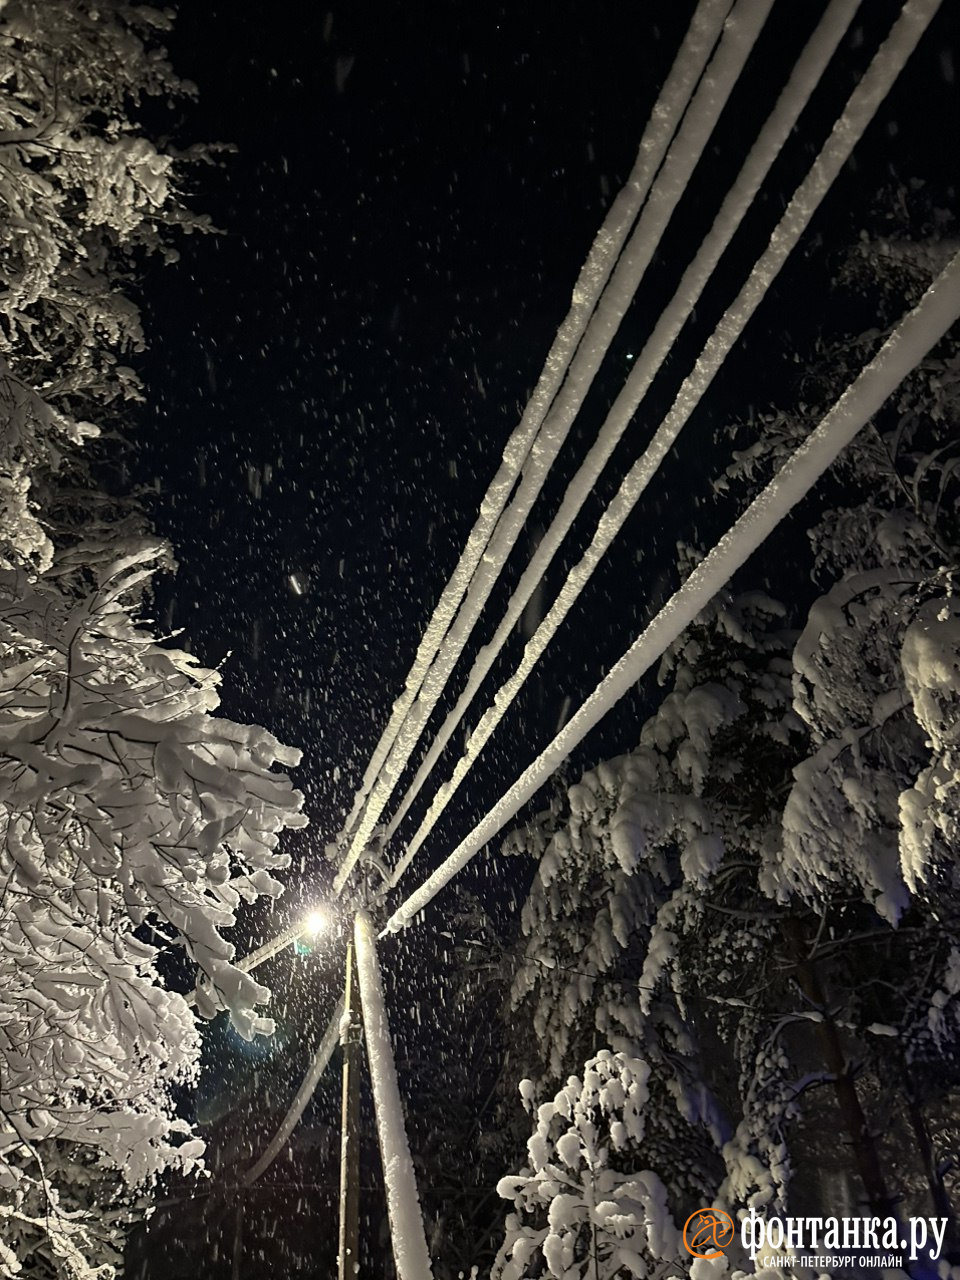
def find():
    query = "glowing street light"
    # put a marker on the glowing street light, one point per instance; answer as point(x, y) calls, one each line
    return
point(315, 925)
point(318, 921)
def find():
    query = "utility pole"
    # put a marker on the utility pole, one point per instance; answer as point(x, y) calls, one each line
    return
point(351, 1032)
point(236, 1260)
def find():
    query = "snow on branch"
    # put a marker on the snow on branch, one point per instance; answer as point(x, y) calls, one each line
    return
point(133, 820)
point(123, 803)
point(930, 809)
point(84, 196)
point(577, 1215)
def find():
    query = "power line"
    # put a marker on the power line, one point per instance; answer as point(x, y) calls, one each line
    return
point(801, 84)
point(319, 1063)
point(917, 332)
point(601, 263)
point(476, 572)
point(913, 337)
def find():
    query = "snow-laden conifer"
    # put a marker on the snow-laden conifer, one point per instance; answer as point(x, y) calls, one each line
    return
point(84, 195)
point(580, 1212)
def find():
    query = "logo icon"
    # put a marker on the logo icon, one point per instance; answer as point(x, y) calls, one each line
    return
point(707, 1232)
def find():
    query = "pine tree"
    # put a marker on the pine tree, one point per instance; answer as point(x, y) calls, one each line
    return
point(629, 941)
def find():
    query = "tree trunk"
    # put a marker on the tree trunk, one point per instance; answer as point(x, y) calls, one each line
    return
point(938, 1192)
point(854, 1121)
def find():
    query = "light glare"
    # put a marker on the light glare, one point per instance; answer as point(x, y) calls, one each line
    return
point(317, 922)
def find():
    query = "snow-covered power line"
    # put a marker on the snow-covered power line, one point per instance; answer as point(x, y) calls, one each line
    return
point(914, 336)
point(382, 773)
point(853, 120)
point(403, 1202)
point(318, 1064)
point(801, 83)
point(667, 114)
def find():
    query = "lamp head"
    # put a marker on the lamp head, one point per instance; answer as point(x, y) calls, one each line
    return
point(318, 921)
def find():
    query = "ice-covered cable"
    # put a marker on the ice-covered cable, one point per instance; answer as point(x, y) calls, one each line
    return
point(803, 80)
point(913, 337)
point(407, 1236)
point(704, 29)
point(857, 114)
point(672, 102)
point(738, 38)
point(318, 1065)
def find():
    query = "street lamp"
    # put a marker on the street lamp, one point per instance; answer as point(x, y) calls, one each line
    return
point(320, 920)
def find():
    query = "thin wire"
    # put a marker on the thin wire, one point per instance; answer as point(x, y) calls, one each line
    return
point(318, 1064)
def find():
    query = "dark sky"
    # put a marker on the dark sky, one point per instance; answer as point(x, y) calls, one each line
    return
point(333, 378)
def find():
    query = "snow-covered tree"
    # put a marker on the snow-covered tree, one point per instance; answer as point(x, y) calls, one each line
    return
point(581, 1211)
point(770, 870)
point(133, 820)
point(664, 902)
point(84, 195)
point(871, 816)
point(631, 943)
point(874, 806)
point(76, 1216)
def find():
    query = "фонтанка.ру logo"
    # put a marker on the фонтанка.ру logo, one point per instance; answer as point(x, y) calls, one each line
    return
point(707, 1232)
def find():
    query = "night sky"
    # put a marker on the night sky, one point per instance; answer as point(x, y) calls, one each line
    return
point(332, 378)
